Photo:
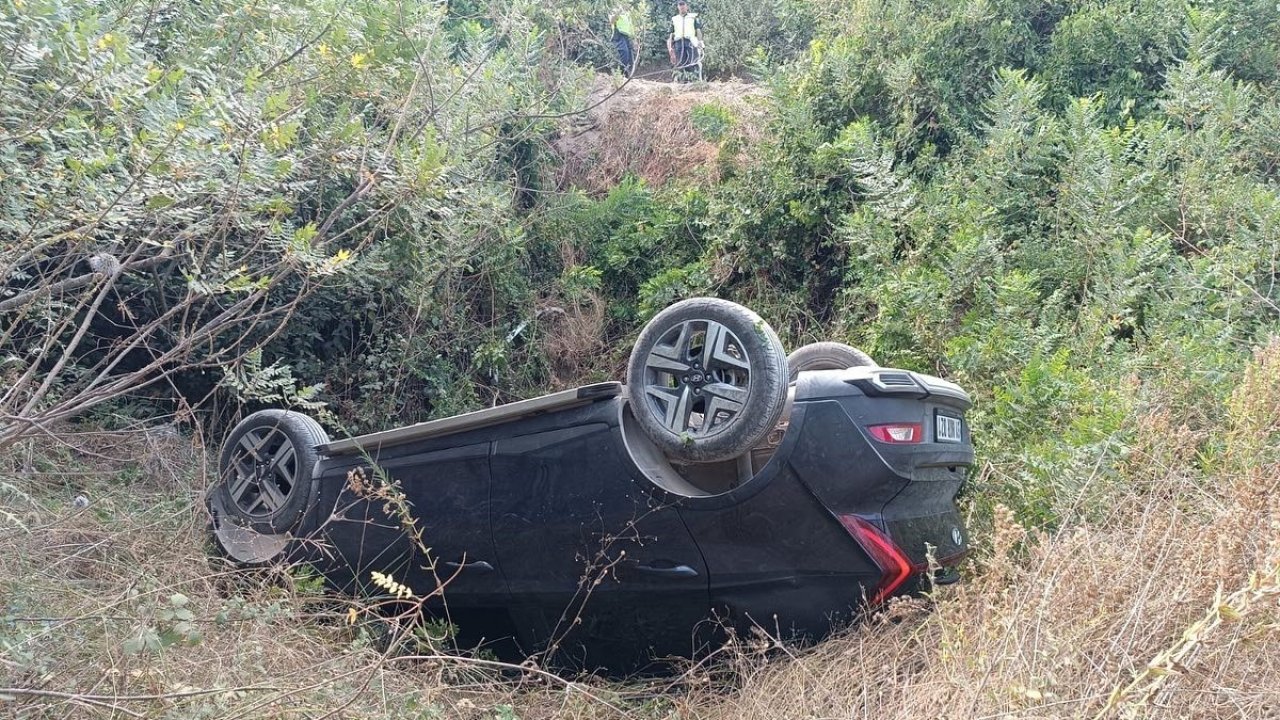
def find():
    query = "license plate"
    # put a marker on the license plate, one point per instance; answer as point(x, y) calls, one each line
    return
point(947, 428)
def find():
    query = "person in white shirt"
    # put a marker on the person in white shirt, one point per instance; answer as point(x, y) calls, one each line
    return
point(685, 37)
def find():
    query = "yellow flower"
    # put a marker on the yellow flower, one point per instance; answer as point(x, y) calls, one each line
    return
point(352, 615)
point(388, 583)
point(360, 61)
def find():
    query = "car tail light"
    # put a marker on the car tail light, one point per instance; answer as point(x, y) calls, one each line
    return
point(897, 433)
point(895, 568)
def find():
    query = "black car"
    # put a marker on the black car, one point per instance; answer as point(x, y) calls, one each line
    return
point(726, 485)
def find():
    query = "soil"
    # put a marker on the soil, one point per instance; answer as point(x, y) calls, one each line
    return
point(644, 127)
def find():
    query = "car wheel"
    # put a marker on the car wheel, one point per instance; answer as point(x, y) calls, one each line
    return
point(826, 356)
point(707, 380)
point(265, 482)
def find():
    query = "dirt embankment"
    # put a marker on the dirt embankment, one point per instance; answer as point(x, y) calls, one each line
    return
point(658, 131)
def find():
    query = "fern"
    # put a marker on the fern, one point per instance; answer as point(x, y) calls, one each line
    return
point(249, 381)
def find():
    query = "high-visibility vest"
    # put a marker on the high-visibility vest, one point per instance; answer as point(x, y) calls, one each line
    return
point(622, 23)
point(686, 26)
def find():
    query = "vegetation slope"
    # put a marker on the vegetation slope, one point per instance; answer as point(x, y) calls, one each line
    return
point(358, 208)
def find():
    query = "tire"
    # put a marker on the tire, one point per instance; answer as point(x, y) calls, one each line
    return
point(826, 356)
point(700, 403)
point(265, 480)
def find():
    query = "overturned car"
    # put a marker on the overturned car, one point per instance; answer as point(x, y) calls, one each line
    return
point(725, 485)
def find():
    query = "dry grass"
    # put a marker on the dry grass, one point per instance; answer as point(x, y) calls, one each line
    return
point(1168, 608)
point(79, 584)
point(1165, 608)
point(573, 339)
point(645, 129)
point(1121, 622)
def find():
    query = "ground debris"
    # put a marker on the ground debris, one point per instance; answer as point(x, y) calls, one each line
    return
point(647, 129)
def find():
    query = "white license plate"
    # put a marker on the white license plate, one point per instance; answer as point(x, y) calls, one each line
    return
point(947, 428)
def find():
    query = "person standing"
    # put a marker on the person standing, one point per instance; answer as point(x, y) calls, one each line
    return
point(685, 37)
point(624, 33)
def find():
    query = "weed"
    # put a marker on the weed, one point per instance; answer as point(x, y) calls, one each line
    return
point(172, 624)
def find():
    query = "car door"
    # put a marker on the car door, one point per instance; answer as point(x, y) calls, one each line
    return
point(445, 494)
point(599, 572)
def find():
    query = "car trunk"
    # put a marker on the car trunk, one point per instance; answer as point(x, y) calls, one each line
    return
point(835, 516)
point(849, 459)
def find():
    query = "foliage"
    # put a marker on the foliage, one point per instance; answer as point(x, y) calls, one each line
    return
point(1056, 245)
point(732, 30)
point(174, 625)
point(619, 243)
point(178, 183)
point(976, 191)
point(274, 385)
point(713, 120)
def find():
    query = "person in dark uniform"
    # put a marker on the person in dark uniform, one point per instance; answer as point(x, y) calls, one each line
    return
point(624, 34)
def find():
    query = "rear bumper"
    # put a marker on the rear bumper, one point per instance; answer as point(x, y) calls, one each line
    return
point(939, 539)
point(779, 552)
point(907, 492)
